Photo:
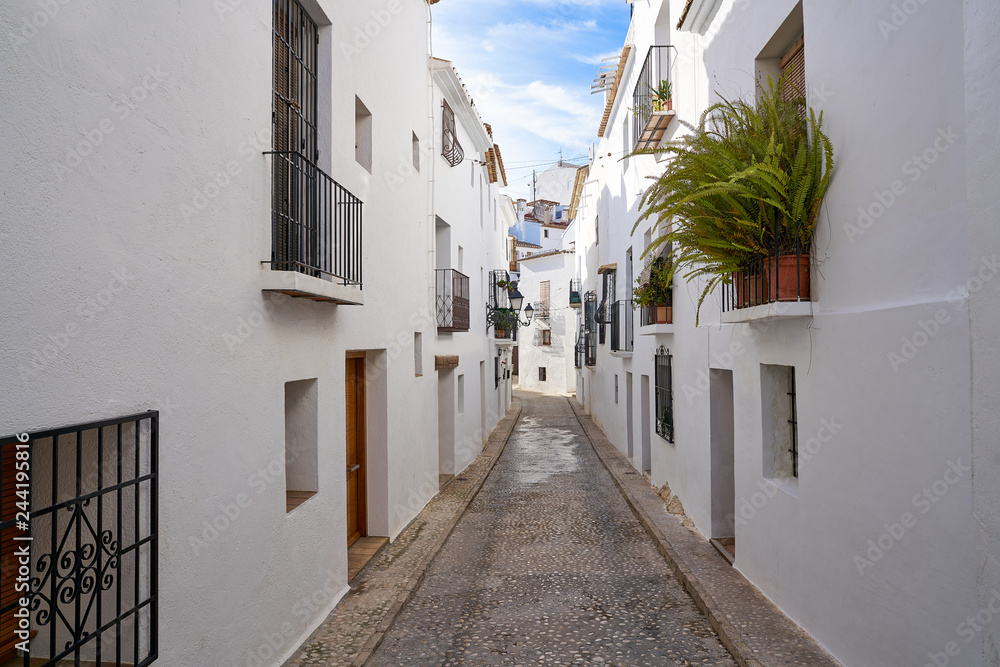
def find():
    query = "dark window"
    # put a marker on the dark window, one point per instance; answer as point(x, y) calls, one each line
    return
point(546, 337)
point(541, 373)
point(590, 328)
point(664, 395)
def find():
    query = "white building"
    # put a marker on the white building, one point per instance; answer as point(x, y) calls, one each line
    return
point(883, 542)
point(545, 349)
point(226, 249)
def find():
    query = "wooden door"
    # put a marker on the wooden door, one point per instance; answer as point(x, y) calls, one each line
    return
point(8, 561)
point(356, 493)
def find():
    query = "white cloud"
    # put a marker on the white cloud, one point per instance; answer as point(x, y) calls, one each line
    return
point(596, 60)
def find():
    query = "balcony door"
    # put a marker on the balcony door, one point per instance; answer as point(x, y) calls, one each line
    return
point(357, 526)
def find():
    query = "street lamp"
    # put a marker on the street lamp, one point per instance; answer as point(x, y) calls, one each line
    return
point(516, 301)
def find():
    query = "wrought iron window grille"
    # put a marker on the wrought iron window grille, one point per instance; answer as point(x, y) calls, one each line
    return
point(451, 150)
point(94, 534)
point(663, 372)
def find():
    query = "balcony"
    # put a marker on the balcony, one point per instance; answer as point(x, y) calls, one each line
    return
point(452, 301)
point(772, 287)
point(658, 318)
point(621, 326)
point(541, 310)
point(652, 99)
point(574, 294)
point(315, 234)
point(504, 319)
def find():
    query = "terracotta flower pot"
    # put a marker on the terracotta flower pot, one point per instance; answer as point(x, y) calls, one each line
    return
point(746, 289)
point(788, 277)
point(662, 316)
point(670, 315)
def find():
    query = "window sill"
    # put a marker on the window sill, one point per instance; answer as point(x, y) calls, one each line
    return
point(622, 354)
point(789, 486)
point(656, 329)
point(770, 311)
point(300, 286)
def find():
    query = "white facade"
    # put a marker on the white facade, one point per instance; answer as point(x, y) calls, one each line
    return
point(134, 281)
point(548, 342)
point(883, 548)
point(556, 183)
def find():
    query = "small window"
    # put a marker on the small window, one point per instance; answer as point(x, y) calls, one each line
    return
point(301, 437)
point(780, 422)
point(362, 134)
point(418, 354)
point(664, 398)
point(546, 233)
point(461, 394)
point(616, 390)
point(416, 152)
point(546, 337)
point(541, 373)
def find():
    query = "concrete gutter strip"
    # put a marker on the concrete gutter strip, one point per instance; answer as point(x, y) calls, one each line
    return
point(751, 627)
point(360, 622)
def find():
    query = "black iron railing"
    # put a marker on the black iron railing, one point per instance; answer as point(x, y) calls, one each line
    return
point(659, 312)
point(652, 94)
point(316, 222)
point(663, 372)
point(91, 491)
point(621, 326)
point(590, 328)
point(781, 277)
point(498, 310)
point(451, 150)
point(452, 290)
point(574, 293)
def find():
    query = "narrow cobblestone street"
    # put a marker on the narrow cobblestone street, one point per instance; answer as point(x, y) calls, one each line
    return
point(549, 566)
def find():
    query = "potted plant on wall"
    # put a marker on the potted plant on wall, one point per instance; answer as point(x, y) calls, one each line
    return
point(653, 290)
point(662, 96)
point(745, 188)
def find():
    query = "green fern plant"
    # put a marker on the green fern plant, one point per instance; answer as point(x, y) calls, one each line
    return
point(746, 183)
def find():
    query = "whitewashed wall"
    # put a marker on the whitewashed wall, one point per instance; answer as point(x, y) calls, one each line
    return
point(133, 255)
point(882, 369)
point(557, 357)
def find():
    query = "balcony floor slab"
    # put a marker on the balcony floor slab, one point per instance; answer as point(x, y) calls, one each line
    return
point(300, 286)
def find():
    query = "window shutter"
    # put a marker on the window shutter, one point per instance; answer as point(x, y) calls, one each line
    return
point(793, 68)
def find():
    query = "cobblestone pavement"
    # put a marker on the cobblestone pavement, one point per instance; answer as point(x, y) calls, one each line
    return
point(549, 566)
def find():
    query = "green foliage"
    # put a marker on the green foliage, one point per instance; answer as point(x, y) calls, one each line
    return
point(747, 182)
point(653, 292)
point(662, 92)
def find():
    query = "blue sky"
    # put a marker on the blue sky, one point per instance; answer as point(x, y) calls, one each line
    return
point(529, 65)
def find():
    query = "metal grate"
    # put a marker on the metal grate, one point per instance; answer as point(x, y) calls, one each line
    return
point(316, 223)
point(621, 326)
point(450, 148)
point(93, 534)
point(650, 122)
point(793, 423)
point(664, 394)
point(452, 292)
point(590, 324)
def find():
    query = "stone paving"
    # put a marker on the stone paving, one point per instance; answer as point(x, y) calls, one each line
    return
point(549, 566)
point(359, 622)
